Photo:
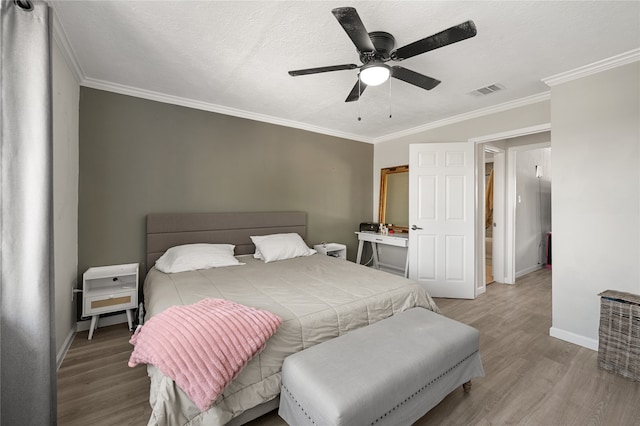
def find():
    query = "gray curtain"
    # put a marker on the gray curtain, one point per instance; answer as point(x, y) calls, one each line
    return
point(27, 355)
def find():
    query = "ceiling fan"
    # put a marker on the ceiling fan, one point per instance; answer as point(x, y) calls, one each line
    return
point(377, 48)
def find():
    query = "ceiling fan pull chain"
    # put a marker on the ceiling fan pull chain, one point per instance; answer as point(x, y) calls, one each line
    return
point(359, 92)
point(390, 98)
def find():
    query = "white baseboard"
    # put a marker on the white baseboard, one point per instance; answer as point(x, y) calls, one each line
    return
point(65, 348)
point(576, 339)
point(102, 322)
point(528, 270)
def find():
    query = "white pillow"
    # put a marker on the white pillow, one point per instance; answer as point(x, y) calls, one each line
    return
point(190, 257)
point(271, 248)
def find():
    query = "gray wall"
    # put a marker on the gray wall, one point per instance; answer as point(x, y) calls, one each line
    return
point(139, 156)
point(596, 196)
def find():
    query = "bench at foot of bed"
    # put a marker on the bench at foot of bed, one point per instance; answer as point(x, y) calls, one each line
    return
point(389, 373)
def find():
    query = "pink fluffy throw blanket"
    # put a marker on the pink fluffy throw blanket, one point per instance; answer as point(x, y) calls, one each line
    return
point(203, 346)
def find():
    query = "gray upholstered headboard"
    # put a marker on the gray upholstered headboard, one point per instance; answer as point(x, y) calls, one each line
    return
point(166, 230)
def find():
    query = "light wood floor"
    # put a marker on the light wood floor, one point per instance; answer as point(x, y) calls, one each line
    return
point(489, 274)
point(95, 385)
point(531, 378)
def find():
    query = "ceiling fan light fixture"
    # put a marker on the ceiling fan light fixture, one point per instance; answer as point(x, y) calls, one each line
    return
point(375, 75)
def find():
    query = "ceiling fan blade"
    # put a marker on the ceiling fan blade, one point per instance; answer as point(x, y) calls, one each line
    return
point(352, 24)
point(323, 69)
point(414, 78)
point(356, 91)
point(449, 36)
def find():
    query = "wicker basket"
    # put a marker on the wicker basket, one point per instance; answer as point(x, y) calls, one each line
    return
point(619, 344)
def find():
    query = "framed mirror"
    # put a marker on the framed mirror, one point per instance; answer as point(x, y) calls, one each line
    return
point(394, 198)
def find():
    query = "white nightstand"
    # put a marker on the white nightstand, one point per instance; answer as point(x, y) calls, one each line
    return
point(108, 289)
point(332, 249)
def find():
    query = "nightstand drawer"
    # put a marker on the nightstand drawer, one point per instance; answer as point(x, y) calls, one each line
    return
point(110, 303)
point(97, 304)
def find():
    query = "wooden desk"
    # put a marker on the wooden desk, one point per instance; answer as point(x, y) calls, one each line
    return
point(398, 240)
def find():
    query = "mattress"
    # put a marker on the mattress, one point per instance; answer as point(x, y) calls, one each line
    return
point(317, 297)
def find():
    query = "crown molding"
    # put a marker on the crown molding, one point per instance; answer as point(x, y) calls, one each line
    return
point(220, 109)
point(545, 127)
point(61, 39)
point(594, 68)
point(467, 116)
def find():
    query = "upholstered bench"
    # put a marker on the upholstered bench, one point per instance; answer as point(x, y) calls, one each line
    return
point(389, 373)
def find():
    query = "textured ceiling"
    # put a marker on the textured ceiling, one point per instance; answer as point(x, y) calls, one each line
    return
point(233, 57)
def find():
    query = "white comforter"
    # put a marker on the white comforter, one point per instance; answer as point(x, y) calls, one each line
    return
point(317, 298)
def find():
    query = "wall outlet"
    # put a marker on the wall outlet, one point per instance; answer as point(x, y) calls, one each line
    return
point(74, 291)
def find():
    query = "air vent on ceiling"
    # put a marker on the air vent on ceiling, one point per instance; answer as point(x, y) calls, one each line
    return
point(487, 90)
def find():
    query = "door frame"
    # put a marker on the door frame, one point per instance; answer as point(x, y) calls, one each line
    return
point(499, 161)
point(509, 206)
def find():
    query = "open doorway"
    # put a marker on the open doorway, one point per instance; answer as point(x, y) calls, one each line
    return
point(501, 255)
point(515, 217)
point(492, 222)
point(488, 215)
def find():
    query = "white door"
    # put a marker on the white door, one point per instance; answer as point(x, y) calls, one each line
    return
point(441, 218)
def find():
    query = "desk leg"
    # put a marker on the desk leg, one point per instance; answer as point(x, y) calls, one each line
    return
point(374, 247)
point(94, 321)
point(359, 257)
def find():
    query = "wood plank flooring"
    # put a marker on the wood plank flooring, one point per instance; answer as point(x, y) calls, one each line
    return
point(95, 385)
point(531, 378)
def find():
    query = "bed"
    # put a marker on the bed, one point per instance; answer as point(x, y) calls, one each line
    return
point(317, 297)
